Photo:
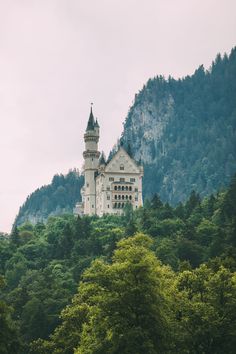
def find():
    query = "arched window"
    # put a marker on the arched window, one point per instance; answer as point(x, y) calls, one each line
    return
point(123, 188)
point(119, 196)
point(115, 205)
point(122, 205)
point(122, 167)
point(130, 188)
point(126, 197)
point(130, 197)
point(127, 188)
point(123, 197)
point(118, 205)
point(115, 196)
point(115, 188)
point(118, 188)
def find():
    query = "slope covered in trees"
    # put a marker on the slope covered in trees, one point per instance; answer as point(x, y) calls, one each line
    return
point(57, 198)
point(157, 280)
point(184, 131)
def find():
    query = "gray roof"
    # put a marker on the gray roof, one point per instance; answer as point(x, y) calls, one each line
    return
point(102, 160)
point(91, 121)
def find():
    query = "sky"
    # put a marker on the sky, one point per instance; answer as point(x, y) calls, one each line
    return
point(58, 56)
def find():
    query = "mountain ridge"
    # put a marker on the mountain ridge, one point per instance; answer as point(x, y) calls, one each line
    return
point(183, 131)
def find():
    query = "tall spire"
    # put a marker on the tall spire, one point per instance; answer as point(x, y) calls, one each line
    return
point(102, 160)
point(96, 123)
point(91, 121)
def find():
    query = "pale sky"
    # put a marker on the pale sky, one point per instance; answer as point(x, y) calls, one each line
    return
point(57, 56)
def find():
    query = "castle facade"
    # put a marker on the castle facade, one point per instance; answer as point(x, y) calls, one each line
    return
point(108, 185)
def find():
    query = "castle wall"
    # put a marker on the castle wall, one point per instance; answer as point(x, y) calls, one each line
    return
point(112, 196)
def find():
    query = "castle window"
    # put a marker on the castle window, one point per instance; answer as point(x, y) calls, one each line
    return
point(132, 179)
point(130, 188)
point(122, 179)
point(122, 167)
point(111, 179)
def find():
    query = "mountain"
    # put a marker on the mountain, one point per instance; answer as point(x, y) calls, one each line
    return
point(57, 198)
point(184, 131)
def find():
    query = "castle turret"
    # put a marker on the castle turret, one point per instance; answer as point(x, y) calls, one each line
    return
point(91, 159)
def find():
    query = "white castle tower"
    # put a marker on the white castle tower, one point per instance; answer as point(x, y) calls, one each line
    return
point(91, 158)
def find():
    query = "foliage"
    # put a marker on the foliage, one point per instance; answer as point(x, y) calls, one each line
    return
point(54, 199)
point(155, 280)
point(9, 340)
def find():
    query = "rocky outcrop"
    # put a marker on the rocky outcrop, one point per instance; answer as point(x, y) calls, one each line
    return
point(148, 120)
point(184, 131)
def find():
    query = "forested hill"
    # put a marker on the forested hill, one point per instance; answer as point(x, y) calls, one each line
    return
point(155, 280)
point(54, 199)
point(184, 131)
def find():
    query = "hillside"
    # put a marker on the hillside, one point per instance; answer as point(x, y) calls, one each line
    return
point(184, 131)
point(57, 198)
point(154, 270)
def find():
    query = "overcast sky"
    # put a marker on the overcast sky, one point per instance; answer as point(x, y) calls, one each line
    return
point(57, 56)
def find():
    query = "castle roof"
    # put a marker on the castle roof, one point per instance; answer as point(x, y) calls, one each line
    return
point(102, 160)
point(96, 124)
point(121, 150)
point(91, 121)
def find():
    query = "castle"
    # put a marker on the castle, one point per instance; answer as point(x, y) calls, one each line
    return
point(108, 185)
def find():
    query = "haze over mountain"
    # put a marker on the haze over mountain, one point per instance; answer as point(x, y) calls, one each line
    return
point(184, 132)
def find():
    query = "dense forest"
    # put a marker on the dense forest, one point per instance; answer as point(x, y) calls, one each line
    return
point(184, 131)
point(160, 279)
